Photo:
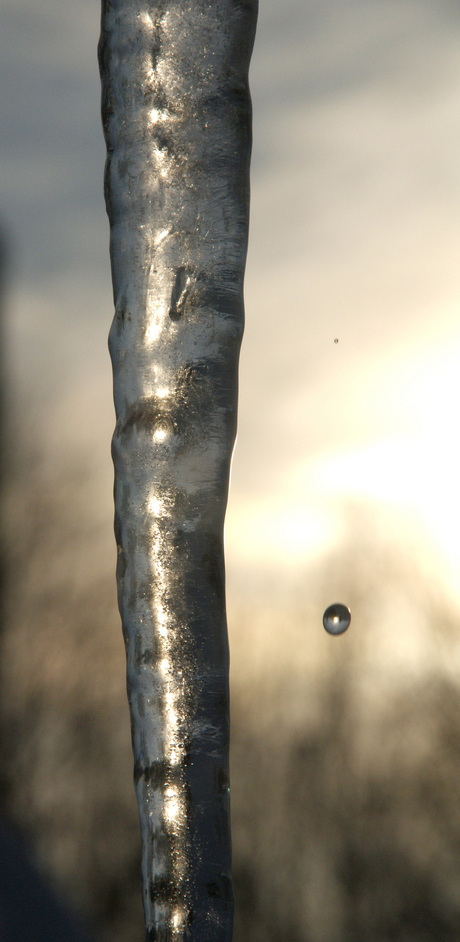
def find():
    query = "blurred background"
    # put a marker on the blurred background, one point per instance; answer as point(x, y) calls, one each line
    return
point(345, 751)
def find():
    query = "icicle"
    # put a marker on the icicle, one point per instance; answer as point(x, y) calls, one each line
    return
point(177, 124)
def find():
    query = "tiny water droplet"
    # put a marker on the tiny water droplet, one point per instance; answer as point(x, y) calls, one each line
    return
point(336, 619)
point(336, 339)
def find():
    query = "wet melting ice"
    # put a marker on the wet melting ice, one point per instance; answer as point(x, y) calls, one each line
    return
point(336, 619)
point(163, 427)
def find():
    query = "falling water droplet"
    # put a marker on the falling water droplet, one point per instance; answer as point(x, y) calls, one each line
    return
point(336, 619)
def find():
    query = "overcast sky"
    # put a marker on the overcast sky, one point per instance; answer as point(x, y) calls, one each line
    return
point(355, 235)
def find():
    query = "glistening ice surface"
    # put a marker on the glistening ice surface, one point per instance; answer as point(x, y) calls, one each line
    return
point(177, 123)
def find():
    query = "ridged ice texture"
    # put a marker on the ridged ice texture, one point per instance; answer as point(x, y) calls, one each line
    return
point(177, 123)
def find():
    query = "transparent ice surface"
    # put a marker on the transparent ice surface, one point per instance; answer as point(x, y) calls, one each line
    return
point(177, 124)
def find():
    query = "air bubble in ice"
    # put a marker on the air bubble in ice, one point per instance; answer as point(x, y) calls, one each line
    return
point(163, 427)
point(336, 619)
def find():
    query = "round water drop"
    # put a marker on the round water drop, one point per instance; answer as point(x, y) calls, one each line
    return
point(336, 619)
point(336, 339)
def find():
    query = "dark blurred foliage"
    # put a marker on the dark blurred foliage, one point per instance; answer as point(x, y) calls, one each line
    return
point(3, 267)
point(339, 848)
point(345, 768)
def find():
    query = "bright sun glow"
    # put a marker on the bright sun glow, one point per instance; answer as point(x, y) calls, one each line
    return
point(393, 445)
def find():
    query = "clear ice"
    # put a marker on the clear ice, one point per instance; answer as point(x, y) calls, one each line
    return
point(177, 124)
